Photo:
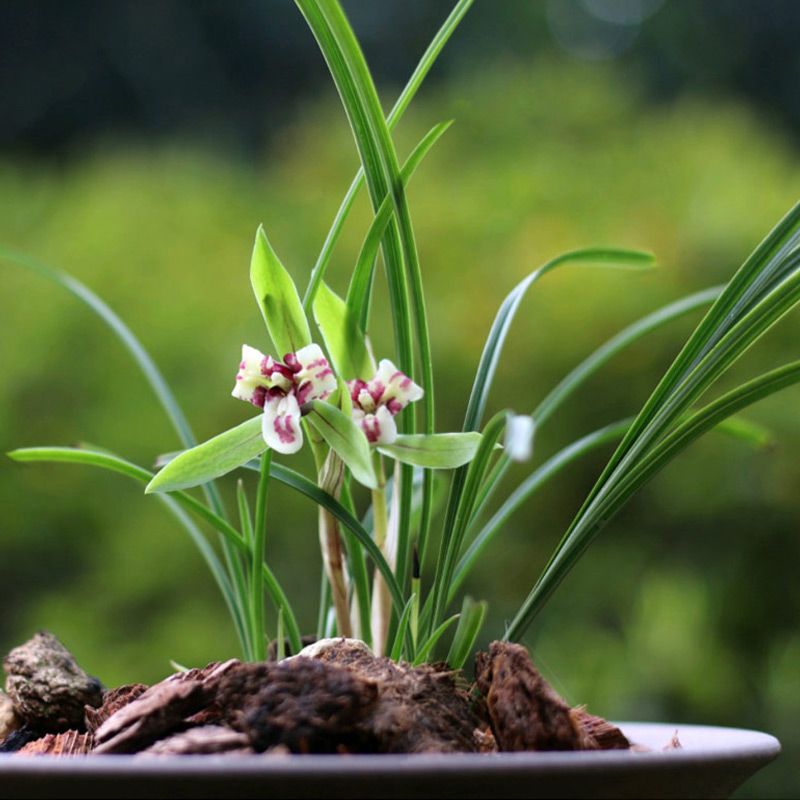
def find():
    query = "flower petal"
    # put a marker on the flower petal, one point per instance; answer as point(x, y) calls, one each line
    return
point(380, 427)
point(251, 384)
point(392, 388)
point(314, 378)
point(280, 425)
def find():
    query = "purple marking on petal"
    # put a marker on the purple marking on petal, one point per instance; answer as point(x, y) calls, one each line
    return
point(395, 406)
point(290, 359)
point(356, 387)
point(259, 396)
point(371, 428)
point(303, 391)
point(283, 428)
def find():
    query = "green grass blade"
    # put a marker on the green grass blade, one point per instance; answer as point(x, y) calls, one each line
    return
point(624, 339)
point(469, 627)
point(756, 274)
point(687, 432)
point(154, 378)
point(360, 289)
point(456, 524)
point(113, 463)
point(425, 651)
point(406, 96)
point(258, 559)
point(378, 157)
point(549, 469)
point(402, 632)
point(492, 350)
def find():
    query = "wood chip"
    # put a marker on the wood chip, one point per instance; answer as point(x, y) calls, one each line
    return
point(207, 739)
point(69, 743)
point(161, 710)
point(600, 731)
point(113, 701)
point(525, 712)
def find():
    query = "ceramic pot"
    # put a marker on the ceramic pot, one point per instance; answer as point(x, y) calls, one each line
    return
point(711, 763)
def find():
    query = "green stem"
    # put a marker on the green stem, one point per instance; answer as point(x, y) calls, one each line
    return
point(381, 603)
point(257, 576)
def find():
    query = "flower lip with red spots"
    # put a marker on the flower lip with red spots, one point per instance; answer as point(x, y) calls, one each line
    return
point(282, 389)
point(376, 402)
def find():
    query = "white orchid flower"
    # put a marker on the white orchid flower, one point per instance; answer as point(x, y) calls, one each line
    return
point(378, 401)
point(282, 388)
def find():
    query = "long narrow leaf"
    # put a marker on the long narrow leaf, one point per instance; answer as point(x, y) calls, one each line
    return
point(687, 432)
point(406, 96)
point(113, 463)
point(359, 291)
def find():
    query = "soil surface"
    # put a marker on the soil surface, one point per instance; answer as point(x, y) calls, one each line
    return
point(335, 696)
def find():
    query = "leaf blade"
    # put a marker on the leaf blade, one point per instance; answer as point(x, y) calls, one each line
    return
point(211, 459)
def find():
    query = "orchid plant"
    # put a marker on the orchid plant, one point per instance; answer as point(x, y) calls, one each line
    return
point(394, 567)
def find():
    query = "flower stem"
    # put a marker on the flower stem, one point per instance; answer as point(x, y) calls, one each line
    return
point(259, 643)
point(330, 480)
point(381, 602)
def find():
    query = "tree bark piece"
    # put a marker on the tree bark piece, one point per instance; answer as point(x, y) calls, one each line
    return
point(69, 743)
point(525, 712)
point(113, 701)
point(205, 740)
point(161, 710)
point(47, 687)
point(601, 732)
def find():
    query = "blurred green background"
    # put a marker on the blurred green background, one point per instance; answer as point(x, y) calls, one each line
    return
point(687, 606)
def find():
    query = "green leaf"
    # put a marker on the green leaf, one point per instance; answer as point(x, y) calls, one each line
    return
point(469, 627)
point(747, 431)
point(360, 289)
point(432, 640)
point(402, 630)
point(534, 481)
point(278, 298)
point(213, 458)
point(238, 543)
point(346, 439)
point(435, 450)
point(343, 339)
point(406, 96)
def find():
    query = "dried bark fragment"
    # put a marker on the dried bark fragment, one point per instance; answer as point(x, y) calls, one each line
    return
point(208, 739)
point(69, 743)
point(601, 732)
point(161, 710)
point(209, 676)
point(113, 701)
point(49, 690)
point(9, 721)
point(525, 712)
point(307, 706)
point(419, 709)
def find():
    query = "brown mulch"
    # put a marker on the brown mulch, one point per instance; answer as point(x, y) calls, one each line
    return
point(335, 697)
